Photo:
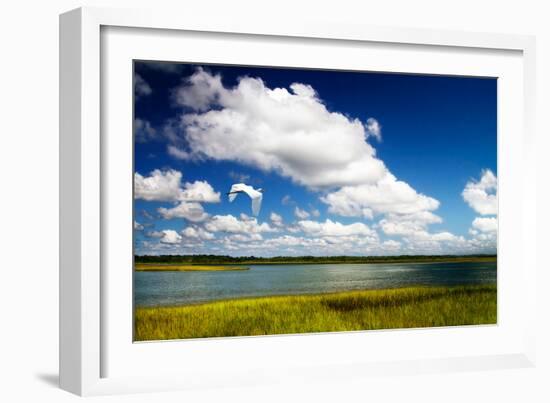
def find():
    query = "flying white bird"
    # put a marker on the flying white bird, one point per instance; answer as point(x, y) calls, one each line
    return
point(254, 194)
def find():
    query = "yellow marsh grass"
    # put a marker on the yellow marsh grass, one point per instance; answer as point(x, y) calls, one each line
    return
point(343, 311)
point(185, 267)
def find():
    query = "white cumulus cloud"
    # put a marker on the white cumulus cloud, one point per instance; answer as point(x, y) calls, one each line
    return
point(229, 223)
point(482, 195)
point(166, 186)
point(330, 228)
point(301, 214)
point(158, 186)
point(388, 195)
point(245, 237)
point(199, 191)
point(177, 152)
point(374, 129)
point(276, 219)
point(289, 131)
point(200, 90)
point(408, 224)
point(191, 211)
point(485, 224)
point(391, 244)
point(414, 230)
point(197, 233)
point(170, 237)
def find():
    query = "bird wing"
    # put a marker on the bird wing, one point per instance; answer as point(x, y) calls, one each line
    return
point(256, 198)
point(237, 187)
point(256, 203)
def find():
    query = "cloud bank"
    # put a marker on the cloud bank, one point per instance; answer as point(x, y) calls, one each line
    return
point(482, 195)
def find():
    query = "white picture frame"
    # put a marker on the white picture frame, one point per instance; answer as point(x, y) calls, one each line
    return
point(87, 317)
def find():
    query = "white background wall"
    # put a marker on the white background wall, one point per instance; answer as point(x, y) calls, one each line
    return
point(29, 201)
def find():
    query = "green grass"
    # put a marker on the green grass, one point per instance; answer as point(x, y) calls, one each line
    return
point(343, 311)
point(184, 267)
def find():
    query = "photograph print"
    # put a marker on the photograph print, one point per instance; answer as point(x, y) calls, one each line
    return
point(272, 200)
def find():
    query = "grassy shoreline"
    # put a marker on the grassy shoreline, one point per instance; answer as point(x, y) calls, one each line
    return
point(407, 307)
point(185, 267)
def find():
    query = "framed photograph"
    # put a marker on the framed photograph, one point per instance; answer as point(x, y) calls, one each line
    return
point(239, 204)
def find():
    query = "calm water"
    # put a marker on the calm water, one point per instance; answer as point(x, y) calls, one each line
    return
point(176, 288)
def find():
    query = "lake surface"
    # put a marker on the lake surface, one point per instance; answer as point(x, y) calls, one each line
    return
point(179, 287)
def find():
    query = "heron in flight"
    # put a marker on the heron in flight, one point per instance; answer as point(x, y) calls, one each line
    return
point(254, 194)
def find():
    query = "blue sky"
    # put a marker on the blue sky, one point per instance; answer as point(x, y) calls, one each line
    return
point(350, 162)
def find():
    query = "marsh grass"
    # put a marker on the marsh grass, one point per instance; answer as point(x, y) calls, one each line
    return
point(344, 311)
point(185, 267)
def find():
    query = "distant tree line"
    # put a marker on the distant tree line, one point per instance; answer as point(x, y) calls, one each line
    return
point(224, 259)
